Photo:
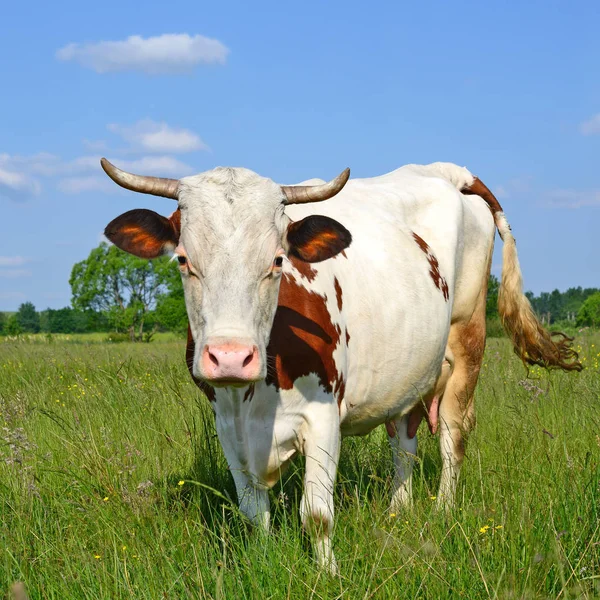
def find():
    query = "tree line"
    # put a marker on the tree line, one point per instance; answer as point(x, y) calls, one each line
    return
point(113, 291)
point(575, 307)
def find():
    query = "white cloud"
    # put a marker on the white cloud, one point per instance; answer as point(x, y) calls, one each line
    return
point(163, 54)
point(14, 273)
point(13, 261)
point(573, 198)
point(47, 165)
point(150, 136)
point(77, 176)
point(162, 166)
point(20, 175)
point(77, 185)
point(591, 126)
point(17, 186)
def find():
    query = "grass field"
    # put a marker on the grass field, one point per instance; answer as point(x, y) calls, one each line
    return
point(113, 485)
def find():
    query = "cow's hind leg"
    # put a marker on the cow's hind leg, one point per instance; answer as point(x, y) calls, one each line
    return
point(457, 412)
point(404, 450)
point(402, 433)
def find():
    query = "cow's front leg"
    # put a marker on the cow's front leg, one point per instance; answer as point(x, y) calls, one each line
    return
point(253, 496)
point(253, 500)
point(322, 450)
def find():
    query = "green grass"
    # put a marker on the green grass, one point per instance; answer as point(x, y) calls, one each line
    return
point(96, 337)
point(96, 439)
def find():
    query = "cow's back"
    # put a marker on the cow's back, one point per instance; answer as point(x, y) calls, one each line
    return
point(385, 305)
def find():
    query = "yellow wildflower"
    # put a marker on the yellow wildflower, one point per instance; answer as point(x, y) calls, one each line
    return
point(181, 482)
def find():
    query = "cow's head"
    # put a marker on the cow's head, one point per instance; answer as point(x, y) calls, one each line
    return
point(230, 235)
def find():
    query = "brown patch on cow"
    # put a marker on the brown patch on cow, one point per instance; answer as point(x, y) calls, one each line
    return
point(479, 188)
point(338, 293)
point(347, 338)
point(318, 524)
point(249, 393)
point(303, 268)
point(340, 389)
point(303, 339)
point(434, 267)
point(206, 389)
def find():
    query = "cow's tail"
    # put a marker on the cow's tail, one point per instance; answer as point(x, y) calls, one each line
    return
point(532, 343)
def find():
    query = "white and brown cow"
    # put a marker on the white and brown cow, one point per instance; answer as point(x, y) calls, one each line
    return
point(306, 328)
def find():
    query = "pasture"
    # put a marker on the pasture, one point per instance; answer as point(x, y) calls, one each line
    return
point(113, 485)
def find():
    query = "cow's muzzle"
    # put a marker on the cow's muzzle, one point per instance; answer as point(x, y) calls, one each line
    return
point(230, 363)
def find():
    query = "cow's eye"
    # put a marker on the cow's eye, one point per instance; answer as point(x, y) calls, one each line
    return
point(182, 260)
point(278, 262)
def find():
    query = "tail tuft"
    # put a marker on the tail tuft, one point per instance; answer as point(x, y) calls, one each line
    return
point(532, 343)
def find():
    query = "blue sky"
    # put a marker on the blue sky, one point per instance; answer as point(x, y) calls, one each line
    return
point(294, 90)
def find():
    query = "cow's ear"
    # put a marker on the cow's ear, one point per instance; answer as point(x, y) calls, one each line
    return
point(317, 238)
point(145, 233)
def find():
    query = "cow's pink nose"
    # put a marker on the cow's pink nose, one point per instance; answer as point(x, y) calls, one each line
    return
point(230, 362)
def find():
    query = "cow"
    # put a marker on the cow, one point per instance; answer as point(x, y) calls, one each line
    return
point(306, 327)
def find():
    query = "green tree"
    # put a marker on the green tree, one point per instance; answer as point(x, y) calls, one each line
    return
point(69, 320)
point(170, 306)
point(589, 313)
point(123, 287)
point(491, 306)
point(560, 306)
point(13, 326)
point(2, 322)
point(28, 318)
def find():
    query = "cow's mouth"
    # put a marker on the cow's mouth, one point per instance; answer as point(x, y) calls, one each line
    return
point(230, 382)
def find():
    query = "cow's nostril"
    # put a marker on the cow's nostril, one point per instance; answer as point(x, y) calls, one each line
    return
point(248, 359)
point(213, 359)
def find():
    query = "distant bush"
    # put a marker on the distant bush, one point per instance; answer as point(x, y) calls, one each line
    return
point(117, 338)
point(28, 318)
point(494, 328)
point(13, 327)
point(589, 313)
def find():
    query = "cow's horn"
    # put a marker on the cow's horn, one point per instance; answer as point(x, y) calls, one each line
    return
point(299, 194)
point(157, 186)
